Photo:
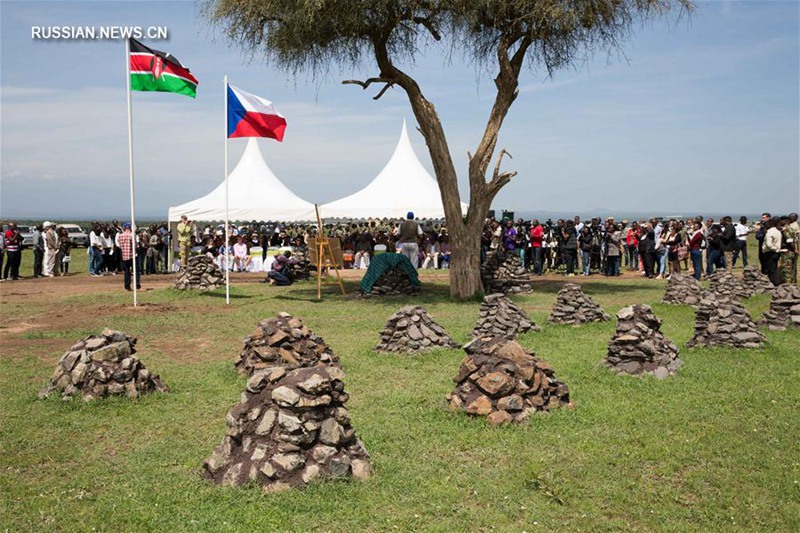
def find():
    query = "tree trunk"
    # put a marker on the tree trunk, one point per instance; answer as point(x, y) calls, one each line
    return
point(465, 261)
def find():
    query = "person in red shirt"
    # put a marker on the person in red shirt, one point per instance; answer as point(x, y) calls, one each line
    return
point(632, 246)
point(536, 246)
point(696, 249)
point(13, 251)
point(126, 243)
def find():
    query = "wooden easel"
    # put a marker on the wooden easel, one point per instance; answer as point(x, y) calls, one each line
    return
point(325, 256)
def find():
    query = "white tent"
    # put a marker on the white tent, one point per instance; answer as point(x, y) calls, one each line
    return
point(402, 186)
point(254, 193)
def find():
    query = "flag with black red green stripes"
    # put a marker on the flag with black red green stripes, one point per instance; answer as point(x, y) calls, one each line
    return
point(153, 70)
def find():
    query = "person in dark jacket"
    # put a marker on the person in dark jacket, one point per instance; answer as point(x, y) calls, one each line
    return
point(647, 249)
point(569, 247)
point(728, 242)
point(38, 251)
point(585, 244)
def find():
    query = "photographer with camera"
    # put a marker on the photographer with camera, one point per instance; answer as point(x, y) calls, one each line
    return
point(185, 229)
point(569, 247)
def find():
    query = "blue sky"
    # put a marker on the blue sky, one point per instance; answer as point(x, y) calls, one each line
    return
point(701, 116)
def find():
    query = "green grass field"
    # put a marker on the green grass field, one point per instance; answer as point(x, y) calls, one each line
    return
point(714, 448)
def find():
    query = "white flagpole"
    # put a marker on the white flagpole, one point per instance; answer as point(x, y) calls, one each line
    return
point(130, 164)
point(227, 234)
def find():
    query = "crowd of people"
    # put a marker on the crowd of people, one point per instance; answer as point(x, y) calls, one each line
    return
point(656, 248)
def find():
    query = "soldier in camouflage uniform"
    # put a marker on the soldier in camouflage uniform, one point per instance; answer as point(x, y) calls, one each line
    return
point(791, 239)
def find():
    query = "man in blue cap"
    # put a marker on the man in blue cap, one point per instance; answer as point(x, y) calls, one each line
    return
point(409, 233)
point(126, 244)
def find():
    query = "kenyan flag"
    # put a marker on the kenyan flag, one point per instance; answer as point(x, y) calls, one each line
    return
point(152, 70)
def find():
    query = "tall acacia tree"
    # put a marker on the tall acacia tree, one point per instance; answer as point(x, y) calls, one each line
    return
point(501, 35)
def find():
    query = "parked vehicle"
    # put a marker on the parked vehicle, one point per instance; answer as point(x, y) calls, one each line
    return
point(27, 235)
point(76, 234)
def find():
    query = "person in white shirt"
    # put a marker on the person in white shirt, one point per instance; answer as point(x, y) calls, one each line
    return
point(241, 259)
point(742, 231)
point(50, 249)
point(771, 249)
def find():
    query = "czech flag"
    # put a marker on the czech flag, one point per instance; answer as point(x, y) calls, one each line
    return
point(252, 116)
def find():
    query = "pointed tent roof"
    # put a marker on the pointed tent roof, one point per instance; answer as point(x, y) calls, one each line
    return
point(402, 186)
point(254, 193)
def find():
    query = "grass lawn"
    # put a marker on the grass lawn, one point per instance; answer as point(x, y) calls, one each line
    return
point(714, 448)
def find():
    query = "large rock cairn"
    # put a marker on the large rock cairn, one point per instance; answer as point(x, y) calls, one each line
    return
point(683, 289)
point(755, 281)
point(503, 272)
point(411, 330)
point(639, 347)
point(290, 428)
point(393, 282)
point(723, 321)
point(499, 316)
point(283, 341)
point(500, 380)
point(574, 307)
point(784, 309)
point(201, 274)
point(723, 284)
point(102, 365)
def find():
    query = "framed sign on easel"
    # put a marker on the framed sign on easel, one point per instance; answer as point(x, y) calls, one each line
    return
point(325, 253)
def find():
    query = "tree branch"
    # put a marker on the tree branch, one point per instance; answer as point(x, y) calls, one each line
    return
point(369, 81)
point(499, 161)
point(425, 21)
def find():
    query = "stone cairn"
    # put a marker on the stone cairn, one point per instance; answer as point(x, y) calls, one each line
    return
point(784, 309)
point(723, 321)
point(411, 330)
point(102, 365)
point(500, 380)
point(290, 428)
point(639, 347)
point(574, 307)
point(201, 274)
point(283, 341)
point(393, 282)
point(723, 284)
point(503, 272)
point(683, 289)
point(755, 281)
point(499, 316)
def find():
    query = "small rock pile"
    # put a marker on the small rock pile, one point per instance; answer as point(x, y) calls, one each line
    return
point(201, 274)
point(723, 321)
point(498, 379)
point(411, 330)
point(283, 341)
point(683, 289)
point(499, 316)
point(784, 309)
point(723, 284)
point(102, 365)
point(755, 281)
point(639, 347)
point(393, 282)
point(290, 428)
point(574, 307)
point(503, 272)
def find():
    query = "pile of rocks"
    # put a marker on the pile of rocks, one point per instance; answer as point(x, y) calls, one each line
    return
point(723, 284)
point(503, 272)
point(283, 341)
point(499, 316)
point(498, 379)
point(411, 330)
point(290, 428)
point(639, 347)
point(393, 282)
point(574, 307)
point(201, 273)
point(723, 321)
point(683, 289)
point(102, 365)
point(784, 309)
point(755, 281)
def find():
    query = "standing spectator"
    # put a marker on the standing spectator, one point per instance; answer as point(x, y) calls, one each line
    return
point(95, 250)
point(585, 245)
point(63, 258)
point(659, 236)
point(13, 251)
point(569, 247)
point(761, 231)
point(613, 250)
point(647, 249)
point(536, 238)
point(672, 243)
point(408, 233)
point(126, 244)
point(38, 250)
point(2, 252)
point(788, 250)
point(742, 231)
point(50, 249)
point(728, 242)
point(108, 250)
point(794, 231)
point(153, 254)
point(716, 258)
point(632, 246)
point(696, 249)
point(771, 250)
point(185, 239)
point(165, 247)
